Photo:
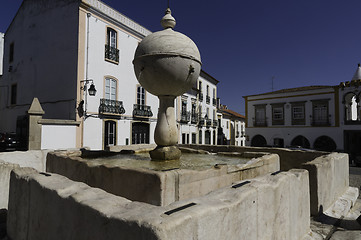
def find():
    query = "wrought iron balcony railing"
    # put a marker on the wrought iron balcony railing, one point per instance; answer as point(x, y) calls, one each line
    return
point(108, 106)
point(260, 123)
point(209, 122)
point(142, 111)
point(185, 116)
point(194, 118)
point(111, 53)
point(215, 123)
point(208, 99)
point(201, 121)
point(320, 120)
point(214, 101)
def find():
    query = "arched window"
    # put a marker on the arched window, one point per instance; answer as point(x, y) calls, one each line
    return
point(324, 143)
point(300, 141)
point(351, 107)
point(258, 141)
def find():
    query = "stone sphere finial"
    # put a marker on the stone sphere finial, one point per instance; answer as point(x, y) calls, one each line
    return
point(168, 20)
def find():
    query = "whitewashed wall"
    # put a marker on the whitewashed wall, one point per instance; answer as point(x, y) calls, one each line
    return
point(58, 137)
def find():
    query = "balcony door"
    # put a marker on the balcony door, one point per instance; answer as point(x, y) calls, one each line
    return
point(110, 130)
point(140, 133)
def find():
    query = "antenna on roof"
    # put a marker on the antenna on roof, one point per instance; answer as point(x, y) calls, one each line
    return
point(273, 78)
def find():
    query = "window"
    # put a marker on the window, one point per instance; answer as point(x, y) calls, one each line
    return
point(140, 96)
point(277, 114)
point(320, 113)
point(111, 38)
point(260, 115)
point(352, 108)
point(208, 98)
point(111, 51)
point(298, 113)
point(110, 89)
point(13, 96)
point(11, 52)
point(184, 106)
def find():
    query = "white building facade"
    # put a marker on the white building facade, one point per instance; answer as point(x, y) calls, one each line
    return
point(56, 51)
point(197, 112)
point(232, 127)
point(318, 117)
point(306, 117)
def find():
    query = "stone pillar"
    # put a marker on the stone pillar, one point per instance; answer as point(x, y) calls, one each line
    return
point(35, 113)
point(166, 132)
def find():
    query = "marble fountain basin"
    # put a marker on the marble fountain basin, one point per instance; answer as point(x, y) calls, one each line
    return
point(134, 176)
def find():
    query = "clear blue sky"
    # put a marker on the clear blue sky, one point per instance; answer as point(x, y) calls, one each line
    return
point(243, 43)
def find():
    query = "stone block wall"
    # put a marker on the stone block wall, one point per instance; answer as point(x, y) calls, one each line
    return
point(157, 187)
point(5, 170)
point(50, 206)
point(329, 179)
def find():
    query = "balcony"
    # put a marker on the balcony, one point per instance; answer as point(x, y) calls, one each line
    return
point(194, 118)
point(260, 123)
point(201, 121)
point(208, 99)
point(209, 122)
point(185, 116)
point(215, 123)
point(200, 97)
point(142, 111)
point(214, 101)
point(111, 54)
point(108, 106)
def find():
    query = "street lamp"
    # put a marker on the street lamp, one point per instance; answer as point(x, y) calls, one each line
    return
point(92, 91)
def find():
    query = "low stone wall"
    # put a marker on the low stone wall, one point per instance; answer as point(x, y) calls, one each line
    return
point(33, 158)
point(50, 206)
point(288, 158)
point(158, 187)
point(328, 172)
point(5, 169)
point(329, 179)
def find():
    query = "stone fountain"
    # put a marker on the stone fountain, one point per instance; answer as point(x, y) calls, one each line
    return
point(167, 64)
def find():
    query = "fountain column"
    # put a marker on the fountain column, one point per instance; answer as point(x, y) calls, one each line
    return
point(167, 64)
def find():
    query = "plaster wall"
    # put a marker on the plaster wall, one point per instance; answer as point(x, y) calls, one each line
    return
point(287, 131)
point(39, 202)
point(58, 136)
point(46, 70)
point(98, 69)
point(157, 187)
point(5, 169)
point(35, 158)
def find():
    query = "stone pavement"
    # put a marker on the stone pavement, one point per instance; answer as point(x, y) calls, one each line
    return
point(332, 228)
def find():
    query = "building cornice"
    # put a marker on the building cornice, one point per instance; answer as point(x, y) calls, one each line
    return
point(111, 15)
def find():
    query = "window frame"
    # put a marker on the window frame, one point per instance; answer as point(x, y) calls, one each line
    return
point(141, 96)
point(298, 120)
point(110, 87)
point(260, 122)
point(278, 118)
